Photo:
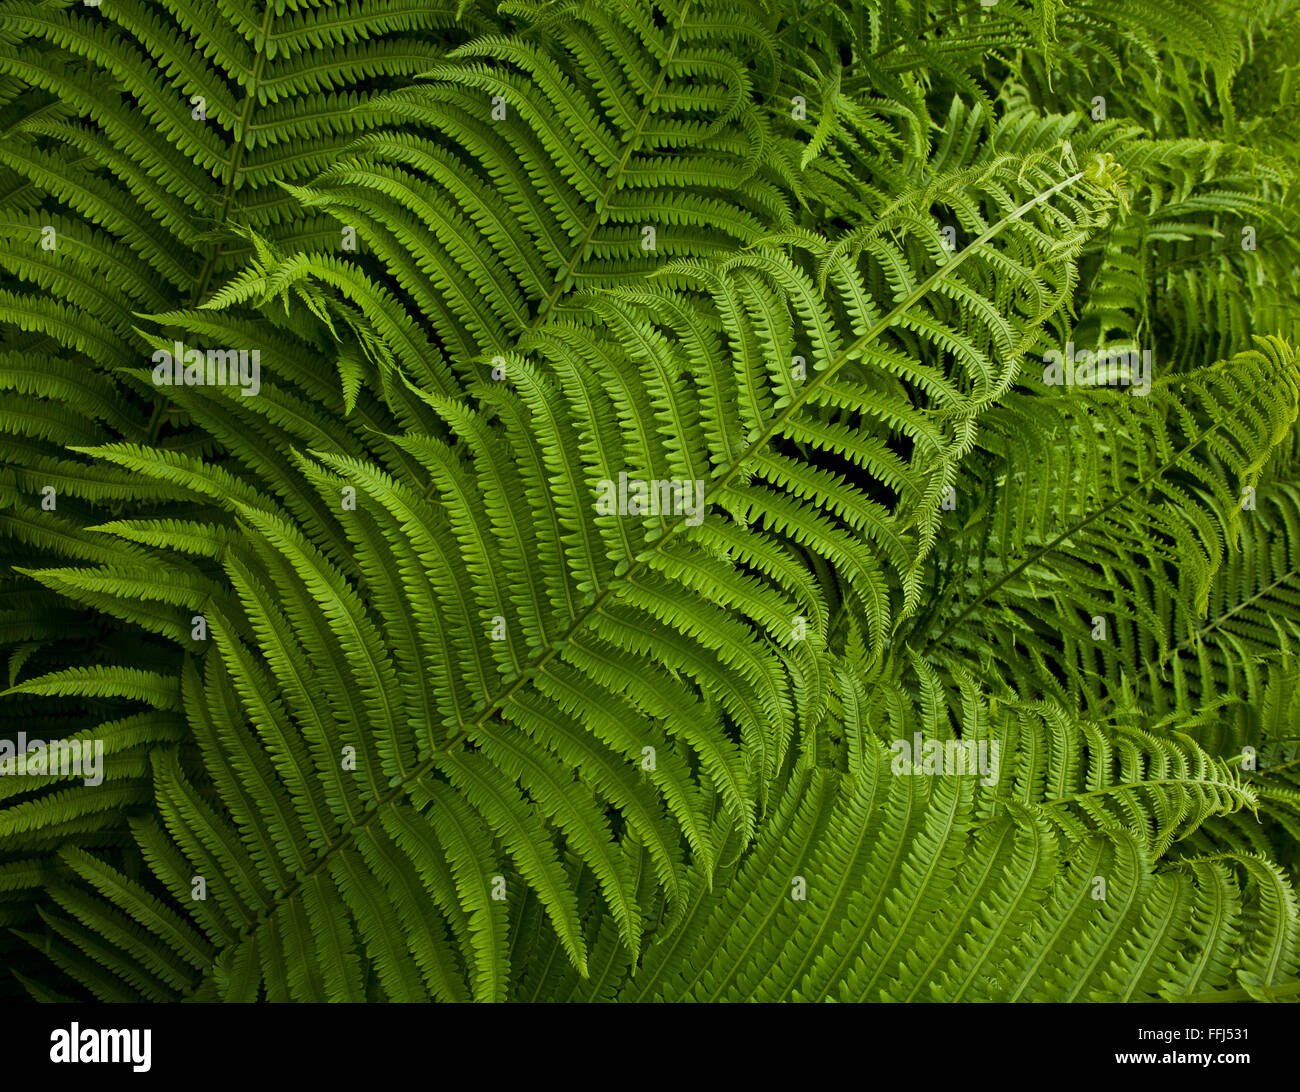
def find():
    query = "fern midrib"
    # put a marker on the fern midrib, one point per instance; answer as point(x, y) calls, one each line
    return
point(1288, 576)
point(825, 931)
point(1069, 532)
point(1201, 967)
point(721, 483)
point(569, 269)
point(1047, 944)
point(952, 830)
point(1149, 949)
point(994, 937)
point(400, 789)
point(1118, 925)
point(1279, 945)
point(237, 156)
point(1290, 989)
point(1131, 786)
point(227, 197)
point(616, 180)
point(756, 924)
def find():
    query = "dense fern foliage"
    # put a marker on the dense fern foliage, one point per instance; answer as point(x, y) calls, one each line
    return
point(718, 501)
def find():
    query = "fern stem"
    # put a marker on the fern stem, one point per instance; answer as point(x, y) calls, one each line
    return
point(934, 24)
point(1068, 533)
point(616, 178)
point(1183, 646)
point(237, 155)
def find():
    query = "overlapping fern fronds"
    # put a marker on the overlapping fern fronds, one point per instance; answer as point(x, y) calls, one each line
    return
point(397, 705)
